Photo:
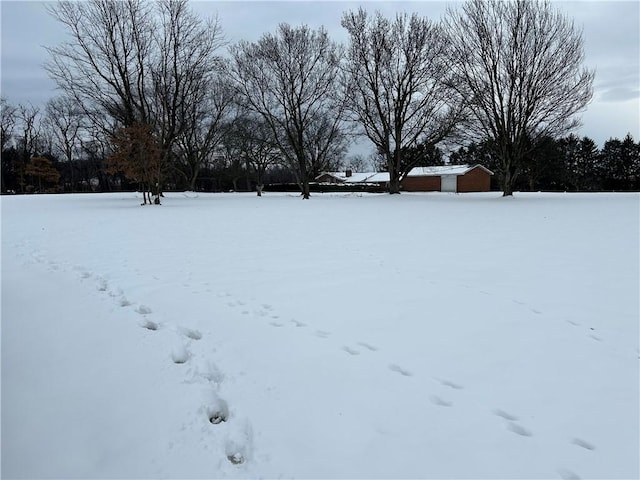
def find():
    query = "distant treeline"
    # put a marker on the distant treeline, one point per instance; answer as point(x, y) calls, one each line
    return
point(566, 164)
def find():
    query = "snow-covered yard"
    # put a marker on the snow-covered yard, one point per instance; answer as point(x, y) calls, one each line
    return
point(348, 336)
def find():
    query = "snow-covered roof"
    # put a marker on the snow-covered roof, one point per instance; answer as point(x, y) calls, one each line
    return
point(358, 177)
point(444, 170)
point(379, 177)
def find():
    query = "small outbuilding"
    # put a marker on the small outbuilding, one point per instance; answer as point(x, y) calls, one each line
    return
point(448, 178)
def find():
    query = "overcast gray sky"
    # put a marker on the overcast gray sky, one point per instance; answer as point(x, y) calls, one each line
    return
point(611, 32)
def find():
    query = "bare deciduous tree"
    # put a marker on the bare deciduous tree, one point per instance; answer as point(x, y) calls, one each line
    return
point(64, 118)
point(104, 65)
point(133, 62)
point(519, 63)
point(185, 70)
point(399, 88)
point(290, 79)
point(256, 146)
point(7, 122)
point(206, 122)
point(28, 139)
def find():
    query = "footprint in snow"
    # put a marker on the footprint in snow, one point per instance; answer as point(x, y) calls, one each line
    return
point(449, 384)
point(143, 310)
point(568, 474)
point(505, 415)
point(102, 285)
point(149, 325)
point(536, 311)
point(189, 333)
point(322, 334)
point(351, 351)
point(276, 324)
point(398, 369)
point(209, 372)
point(582, 443)
point(180, 355)
point(123, 302)
point(571, 322)
point(436, 400)
point(239, 443)
point(53, 265)
point(116, 293)
point(217, 410)
point(298, 324)
point(368, 346)
point(519, 429)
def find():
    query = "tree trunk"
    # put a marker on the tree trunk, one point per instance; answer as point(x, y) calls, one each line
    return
point(306, 194)
point(507, 183)
point(193, 179)
point(304, 177)
point(394, 175)
point(394, 185)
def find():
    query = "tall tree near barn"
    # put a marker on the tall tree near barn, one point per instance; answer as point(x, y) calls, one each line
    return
point(290, 79)
point(399, 85)
point(519, 63)
point(64, 118)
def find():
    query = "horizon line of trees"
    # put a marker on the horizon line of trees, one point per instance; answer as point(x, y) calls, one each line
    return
point(32, 163)
point(151, 100)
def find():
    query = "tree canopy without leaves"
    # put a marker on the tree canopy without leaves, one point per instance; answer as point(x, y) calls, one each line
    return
point(105, 63)
point(519, 64)
point(399, 85)
point(134, 62)
point(290, 79)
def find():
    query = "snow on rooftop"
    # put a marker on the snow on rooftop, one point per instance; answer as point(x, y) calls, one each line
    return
point(359, 177)
point(439, 170)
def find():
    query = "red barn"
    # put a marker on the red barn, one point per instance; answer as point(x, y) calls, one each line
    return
point(448, 178)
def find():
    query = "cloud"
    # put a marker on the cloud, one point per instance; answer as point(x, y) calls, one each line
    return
point(619, 94)
point(617, 83)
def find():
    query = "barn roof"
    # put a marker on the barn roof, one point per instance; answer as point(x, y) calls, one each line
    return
point(363, 177)
point(444, 170)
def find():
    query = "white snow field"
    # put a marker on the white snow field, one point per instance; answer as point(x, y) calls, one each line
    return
point(348, 336)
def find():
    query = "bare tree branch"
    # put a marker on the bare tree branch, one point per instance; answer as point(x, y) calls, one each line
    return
point(399, 87)
point(520, 65)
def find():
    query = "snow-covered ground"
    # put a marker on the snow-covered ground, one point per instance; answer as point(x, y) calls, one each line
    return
point(348, 336)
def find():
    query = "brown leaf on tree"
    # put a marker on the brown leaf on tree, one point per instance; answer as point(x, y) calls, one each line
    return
point(138, 156)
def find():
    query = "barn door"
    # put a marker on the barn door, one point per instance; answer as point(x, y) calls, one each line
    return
point(449, 183)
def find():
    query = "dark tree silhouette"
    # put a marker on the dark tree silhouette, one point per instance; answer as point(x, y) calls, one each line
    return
point(519, 63)
point(399, 85)
point(290, 79)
